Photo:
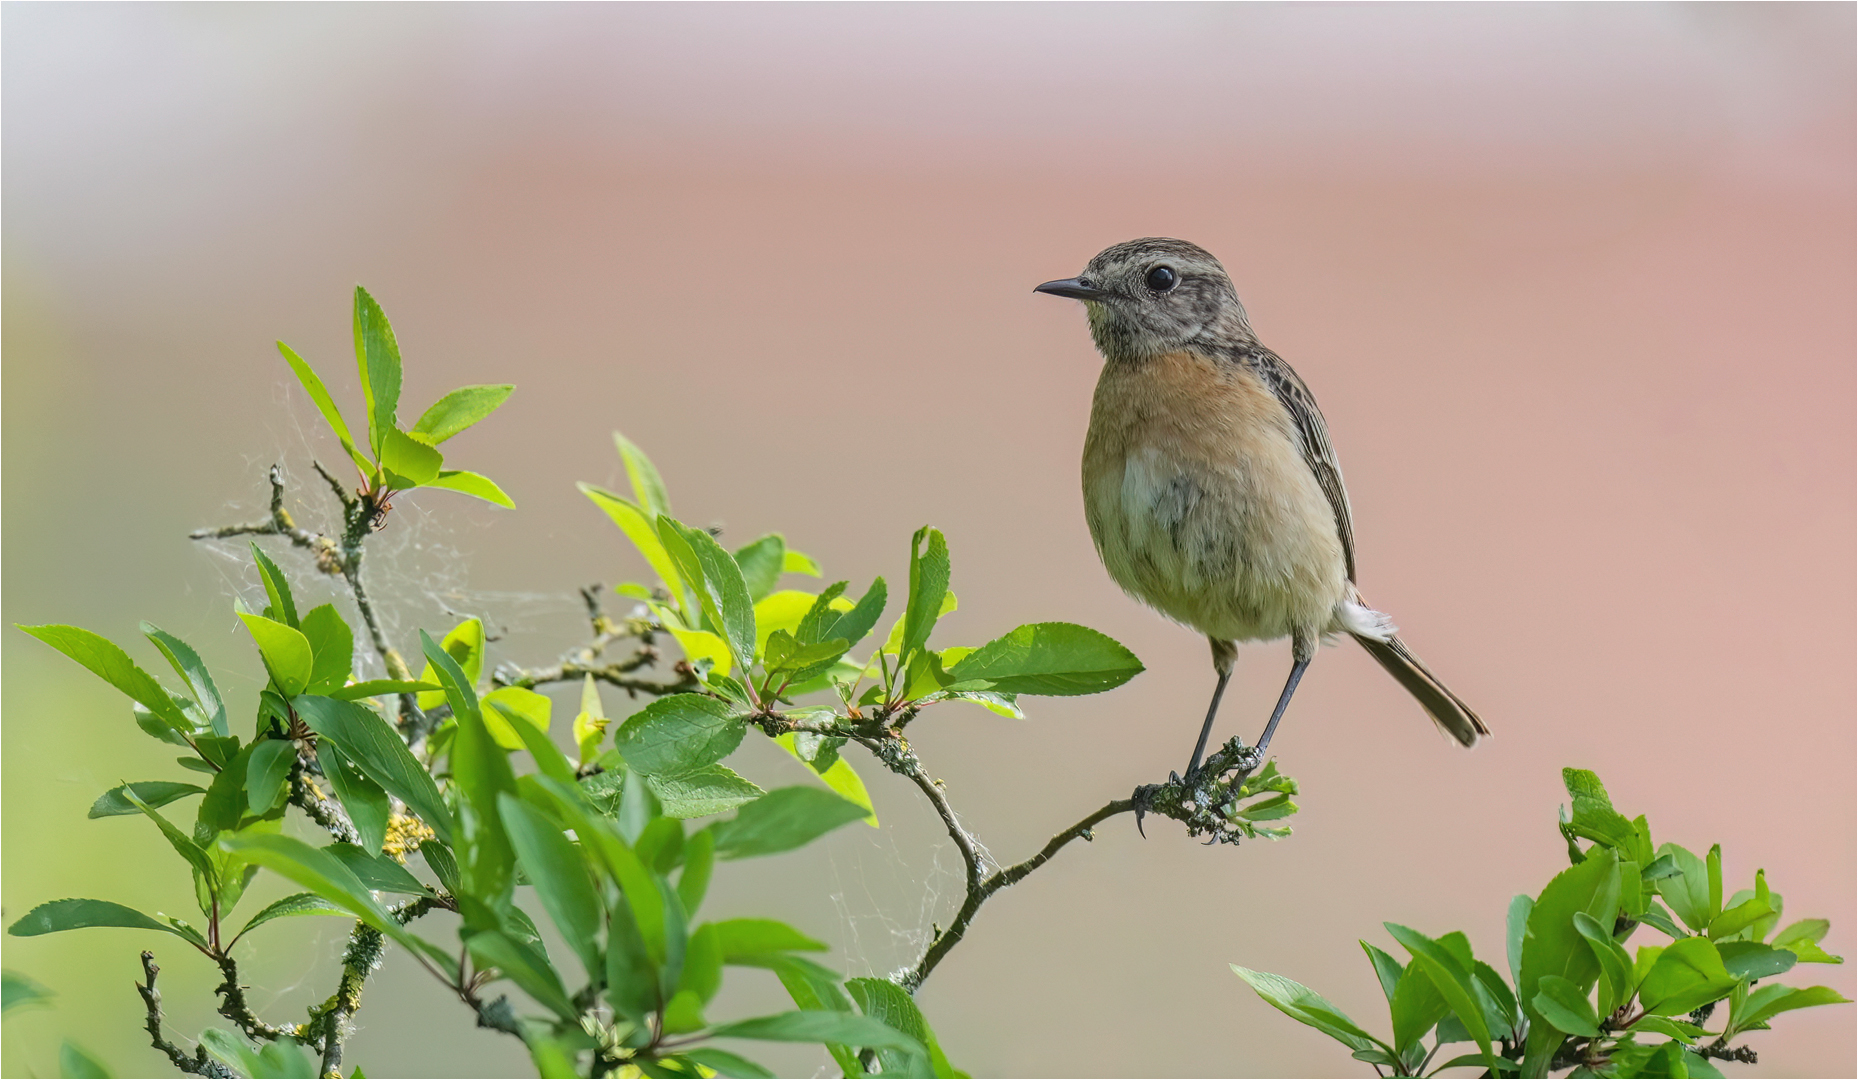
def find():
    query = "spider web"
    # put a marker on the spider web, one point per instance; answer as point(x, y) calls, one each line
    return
point(888, 905)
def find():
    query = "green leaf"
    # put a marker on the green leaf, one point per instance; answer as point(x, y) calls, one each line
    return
point(884, 1000)
point(1516, 925)
point(19, 990)
point(186, 663)
point(325, 404)
point(285, 650)
point(365, 801)
point(1048, 659)
point(74, 1062)
point(50, 918)
point(703, 966)
point(112, 665)
point(378, 356)
point(1386, 969)
point(460, 409)
point(1662, 1025)
point(183, 845)
point(373, 747)
point(823, 1026)
point(1802, 939)
point(480, 772)
point(1615, 964)
point(631, 977)
point(1738, 918)
point(637, 523)
point(753, 941)
point(762, 564)
point(838, 775)
point(408, 462)
point(464, 644)
point(699, 861)
point(1753, 960)
point(507, 707)
point(1453, 980)
point(723, 1063)
point(1656, 917)
point(679, 734)
point(527, 967)
point(473, 484)
point(151, 792)
point(1687, 975)
point(824, 622)
point(711, 789)
point(1476, 1061)
point(1563, 1004)
point(266, 773)
point(277, 589)
point(1595, 818)
point(380, 873)
point(444, 865)
point(1552, 945)
point(781, 820)
point(381, 687)
point(295, 904)
point(793, 562)
point(1415, 1007)
point(721, 591)
point(1688, 890)
point(1770, 1001)
point(556, 867)
point(929, 574)
point(1306, 1006)
point(1713, 868)
point(323, 874)
point(332, 649)
point(647, 487)
point(232, 1050)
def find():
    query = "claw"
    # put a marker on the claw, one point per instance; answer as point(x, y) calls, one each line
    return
point(1140, 800)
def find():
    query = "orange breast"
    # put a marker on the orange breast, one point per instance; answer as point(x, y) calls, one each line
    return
point(1201, 504)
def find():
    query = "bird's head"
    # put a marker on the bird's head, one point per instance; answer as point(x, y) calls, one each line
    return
point(1154, 295)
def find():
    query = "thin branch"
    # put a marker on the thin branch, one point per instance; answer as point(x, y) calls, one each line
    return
point(197, 1065)
point(234, 1007)
point(584, 660)
point(329, 1021)
point(1202, 807)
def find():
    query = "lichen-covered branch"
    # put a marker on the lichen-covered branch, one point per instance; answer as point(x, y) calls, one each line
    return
point(199, 1064)
point(234, 1007)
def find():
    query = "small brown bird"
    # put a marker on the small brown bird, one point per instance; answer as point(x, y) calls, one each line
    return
point(1211, 489)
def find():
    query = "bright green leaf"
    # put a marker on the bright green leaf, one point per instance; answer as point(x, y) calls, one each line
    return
point(459, 410)
point(781, 820)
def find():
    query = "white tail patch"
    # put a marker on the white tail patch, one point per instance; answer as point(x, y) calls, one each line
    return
point(1364, 621)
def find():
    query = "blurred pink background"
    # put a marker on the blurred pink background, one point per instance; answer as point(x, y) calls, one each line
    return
point(1573, 283)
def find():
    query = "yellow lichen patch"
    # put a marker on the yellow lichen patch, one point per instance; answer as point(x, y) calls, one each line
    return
point(404, 834)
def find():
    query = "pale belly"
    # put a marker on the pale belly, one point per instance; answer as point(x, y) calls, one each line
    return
point(1204, 510)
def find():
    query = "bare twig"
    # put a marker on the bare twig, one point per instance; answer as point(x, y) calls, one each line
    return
point(585, 660)
point(1201, 806)
point(197, 1065)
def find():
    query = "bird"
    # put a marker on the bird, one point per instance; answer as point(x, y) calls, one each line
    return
point(1211, 489)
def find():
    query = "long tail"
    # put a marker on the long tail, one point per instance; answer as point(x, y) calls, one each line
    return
point(1453, 716)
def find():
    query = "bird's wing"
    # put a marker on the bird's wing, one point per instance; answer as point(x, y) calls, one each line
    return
point(1313, 435)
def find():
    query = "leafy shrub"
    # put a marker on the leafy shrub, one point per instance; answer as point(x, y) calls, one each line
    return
point(1575, 998)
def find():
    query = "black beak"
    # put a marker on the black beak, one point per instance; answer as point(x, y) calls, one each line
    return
point(1075, 288)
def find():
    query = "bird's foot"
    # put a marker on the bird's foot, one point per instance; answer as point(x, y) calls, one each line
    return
point(1142, 801)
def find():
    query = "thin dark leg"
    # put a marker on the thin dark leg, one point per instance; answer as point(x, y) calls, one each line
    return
point(1206, 729)
point(1283, 702)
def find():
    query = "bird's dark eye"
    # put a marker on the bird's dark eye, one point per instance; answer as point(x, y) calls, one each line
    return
point(1161, 279)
